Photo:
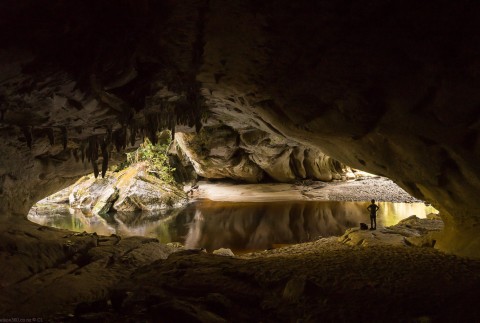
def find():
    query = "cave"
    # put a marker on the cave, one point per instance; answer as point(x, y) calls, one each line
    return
point(386, 87)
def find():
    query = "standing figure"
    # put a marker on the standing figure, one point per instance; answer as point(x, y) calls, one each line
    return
point(373, 208)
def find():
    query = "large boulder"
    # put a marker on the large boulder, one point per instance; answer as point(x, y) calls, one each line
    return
point(285, 160)
point(412, 231)
point(215, 153)
point(94, 196)
point(219, 151)
point(132, 189)
point(139, 190)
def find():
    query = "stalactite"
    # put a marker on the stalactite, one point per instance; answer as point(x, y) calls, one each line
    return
point(198, 125)
point(94, 148)
point(119, 139)
point(75, 154)
point(51, 136)
point(88, 153)
point(142, 131)
point(103, 146)
point(172, 126)
point(92, 153)
point(27, 133)
point(82, 152)
point(124, 137)
point(190, 119)
point(116, 140)
point(133, 134)
point(95, 168)
point(64, 137)
point(152, 127)
point(172, 132)
point(108, 137)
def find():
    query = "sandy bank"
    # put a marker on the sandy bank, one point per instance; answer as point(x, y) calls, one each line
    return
point(364, 189)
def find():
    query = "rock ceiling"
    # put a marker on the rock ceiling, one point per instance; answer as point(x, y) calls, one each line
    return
point(390, 87)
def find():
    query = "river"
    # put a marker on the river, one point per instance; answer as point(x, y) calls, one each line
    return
point(240, 226)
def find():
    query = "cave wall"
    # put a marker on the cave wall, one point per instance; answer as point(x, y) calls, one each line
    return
point(80, 82)
point(387, 87)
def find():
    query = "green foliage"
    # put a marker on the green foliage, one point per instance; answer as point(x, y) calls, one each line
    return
point(156, 157)
point(201, 142)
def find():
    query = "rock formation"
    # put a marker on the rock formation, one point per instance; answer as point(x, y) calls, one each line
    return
point(221, 152)
point(132, 189)
point(410, 231)
point(215, 153)
point(387, 87)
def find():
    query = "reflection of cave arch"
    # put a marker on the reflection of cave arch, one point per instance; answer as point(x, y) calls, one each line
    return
point(261, 225)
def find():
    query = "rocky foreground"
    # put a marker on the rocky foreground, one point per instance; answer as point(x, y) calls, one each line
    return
point(72, 277)
point(390, 274)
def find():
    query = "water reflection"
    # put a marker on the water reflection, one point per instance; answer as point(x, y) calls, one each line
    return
point(71, 219)
point(239, 226)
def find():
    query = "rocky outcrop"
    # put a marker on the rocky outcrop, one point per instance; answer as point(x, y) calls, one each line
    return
point(214, 153)
point(221, 152)
point(129, 190)
point(66, 268)
point(412, 231)
point(223, 252)
point(286, 161)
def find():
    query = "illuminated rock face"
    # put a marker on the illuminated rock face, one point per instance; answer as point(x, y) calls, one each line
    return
point(391, 88)
point(130, 190)
point(220, 152)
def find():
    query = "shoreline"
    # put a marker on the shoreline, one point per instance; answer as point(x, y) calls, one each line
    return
point(359, 190)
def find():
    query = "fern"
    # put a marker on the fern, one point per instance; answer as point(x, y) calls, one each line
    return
point(155, 156)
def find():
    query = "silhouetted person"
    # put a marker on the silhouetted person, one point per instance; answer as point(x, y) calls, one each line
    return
point(373, 208)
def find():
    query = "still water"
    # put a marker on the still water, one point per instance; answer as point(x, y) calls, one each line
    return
point(242, 227)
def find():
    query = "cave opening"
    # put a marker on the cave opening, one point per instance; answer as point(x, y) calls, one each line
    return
point(157, 192)
point(289, 91)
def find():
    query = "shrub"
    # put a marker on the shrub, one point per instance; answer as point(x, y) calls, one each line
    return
point(155, 156)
